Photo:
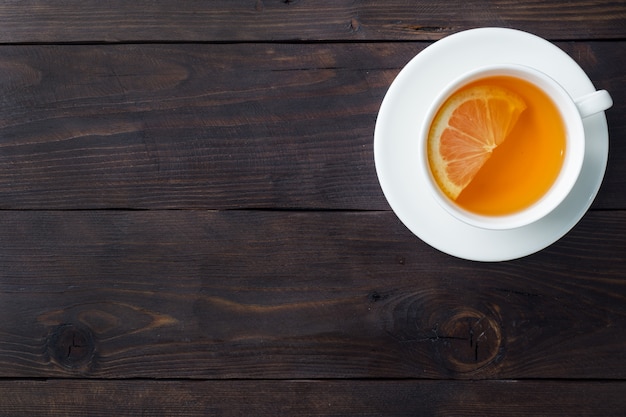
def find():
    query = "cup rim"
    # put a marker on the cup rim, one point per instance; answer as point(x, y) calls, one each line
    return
point(572, 163)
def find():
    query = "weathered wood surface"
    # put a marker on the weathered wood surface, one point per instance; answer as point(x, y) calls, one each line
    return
point(290, 20)
point(191, 224)
point(312, 398)
point(220, 126)
point(291, 295)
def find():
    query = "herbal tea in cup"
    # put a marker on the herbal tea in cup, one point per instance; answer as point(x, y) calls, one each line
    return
point(503, 145)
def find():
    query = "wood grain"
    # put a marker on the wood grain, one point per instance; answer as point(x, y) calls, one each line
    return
point(219, 126)
point(36, 21)
point(311, 398)
point(265, 294)
point(191, 223)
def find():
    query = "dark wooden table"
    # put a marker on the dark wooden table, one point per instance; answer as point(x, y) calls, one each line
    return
point(191, 221)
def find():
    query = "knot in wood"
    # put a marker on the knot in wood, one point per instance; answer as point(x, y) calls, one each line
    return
point(71, 346)
point(375, 297)
point(471, 340)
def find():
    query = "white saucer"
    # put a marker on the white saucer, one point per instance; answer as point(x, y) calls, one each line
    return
point(404, 107)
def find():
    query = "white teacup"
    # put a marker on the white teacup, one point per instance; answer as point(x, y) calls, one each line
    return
point(572, 111)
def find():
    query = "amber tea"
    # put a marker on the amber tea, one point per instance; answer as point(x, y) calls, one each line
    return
point(518, 171)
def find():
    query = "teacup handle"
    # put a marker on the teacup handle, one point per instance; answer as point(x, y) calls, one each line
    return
point(593, 103)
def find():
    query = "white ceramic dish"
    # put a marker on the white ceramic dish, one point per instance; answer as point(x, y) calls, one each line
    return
point(404, 108)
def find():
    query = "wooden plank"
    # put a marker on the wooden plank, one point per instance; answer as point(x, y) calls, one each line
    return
point(191, 126)
point(248, 294)
point(287, 20)
point(219, 126)
point(311, 398)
